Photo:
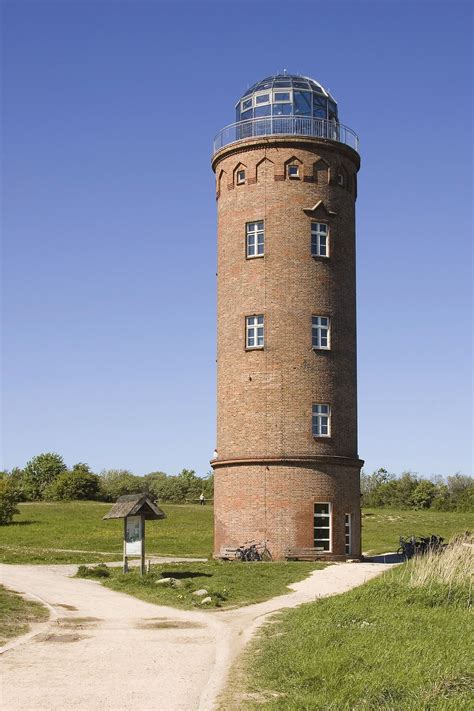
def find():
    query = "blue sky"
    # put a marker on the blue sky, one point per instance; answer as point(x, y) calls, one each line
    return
point(109, 220)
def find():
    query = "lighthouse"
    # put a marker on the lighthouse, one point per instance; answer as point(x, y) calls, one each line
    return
point(287, 469)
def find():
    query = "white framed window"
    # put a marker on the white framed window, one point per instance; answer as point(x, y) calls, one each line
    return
point(321, 332)
point(348, 533)
point(293, 171)
point(246, 104)
point(255, 239)
point(240, 177)
point(262, 99)
point(255, 331)
point(282, 96)
point(323, 527)
point(319, 239)
point(321, 420)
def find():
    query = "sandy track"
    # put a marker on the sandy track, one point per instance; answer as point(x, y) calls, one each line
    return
point(126, 654)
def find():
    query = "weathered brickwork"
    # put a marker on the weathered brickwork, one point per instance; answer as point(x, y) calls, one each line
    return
point(270, 469)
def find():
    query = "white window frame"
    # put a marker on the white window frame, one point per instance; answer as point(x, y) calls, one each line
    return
point(348, 533)
point(252, 325)
point(322, 332)
point(317, 415)
point(240, 179)
point(297, 174)
point(282, 90)
point(328, 516)
point(262, 93)
point(254, 234)
point(317, 232)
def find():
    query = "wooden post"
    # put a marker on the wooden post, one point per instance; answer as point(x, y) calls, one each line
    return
point(125, 562)
point(142, 556)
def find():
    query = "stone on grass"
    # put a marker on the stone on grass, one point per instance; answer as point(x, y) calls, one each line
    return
point(163, 581)
point(200, 593)
point(205, 600)
point(176, 583)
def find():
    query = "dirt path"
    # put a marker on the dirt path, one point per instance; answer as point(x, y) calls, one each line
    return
point(107, 651)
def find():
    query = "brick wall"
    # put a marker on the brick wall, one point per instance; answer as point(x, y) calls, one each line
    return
point(265, 397)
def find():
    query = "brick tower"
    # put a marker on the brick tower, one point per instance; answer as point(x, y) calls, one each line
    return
point(286, 466)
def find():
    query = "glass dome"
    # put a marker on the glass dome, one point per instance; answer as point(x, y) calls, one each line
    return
point(286, 95)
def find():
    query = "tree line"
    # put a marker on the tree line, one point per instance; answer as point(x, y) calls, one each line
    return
point(47, 478)
point(409, 491)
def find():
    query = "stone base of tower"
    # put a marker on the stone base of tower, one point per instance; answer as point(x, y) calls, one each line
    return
point(274, 501)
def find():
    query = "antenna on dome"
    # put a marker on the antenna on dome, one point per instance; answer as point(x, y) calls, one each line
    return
point(285, 72)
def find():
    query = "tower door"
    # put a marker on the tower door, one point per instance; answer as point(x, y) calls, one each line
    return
point(323, 527)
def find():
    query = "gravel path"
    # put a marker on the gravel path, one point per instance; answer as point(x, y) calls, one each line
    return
point(107, 651)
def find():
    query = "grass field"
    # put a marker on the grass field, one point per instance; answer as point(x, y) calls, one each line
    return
point(381, 528)
point(228, 584)
point(399, 642)
point(58, 532)
point(74, 532)
point(17, 613)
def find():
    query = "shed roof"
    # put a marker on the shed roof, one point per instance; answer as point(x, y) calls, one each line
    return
point(135, 505)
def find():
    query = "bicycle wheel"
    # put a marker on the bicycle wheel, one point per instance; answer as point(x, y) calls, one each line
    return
point(266, 555)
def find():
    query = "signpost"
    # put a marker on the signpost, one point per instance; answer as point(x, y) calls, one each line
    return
point(134, 509)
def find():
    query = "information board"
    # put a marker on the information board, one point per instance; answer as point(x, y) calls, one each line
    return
point(133, 535)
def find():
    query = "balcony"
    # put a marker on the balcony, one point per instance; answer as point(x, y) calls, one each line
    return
point(286, 126)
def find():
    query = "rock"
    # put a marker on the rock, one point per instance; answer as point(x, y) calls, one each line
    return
point(205, 600)
point(200, 593)
point(163, 581)
point(176, 583)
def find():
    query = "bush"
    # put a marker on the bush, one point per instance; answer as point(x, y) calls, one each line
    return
point(78, 483)
point(98, 571)
point(8, 501)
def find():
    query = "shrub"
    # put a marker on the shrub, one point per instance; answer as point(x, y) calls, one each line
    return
point(97, 571)
point(78, 483)
point(8, 501)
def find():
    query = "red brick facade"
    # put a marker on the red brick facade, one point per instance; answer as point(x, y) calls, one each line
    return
point(270, 470)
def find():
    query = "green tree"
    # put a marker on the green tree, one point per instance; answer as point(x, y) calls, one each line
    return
point(78, 483)
point(119, 482)
point(40, 472)
point(423, 495)
point(8, 501)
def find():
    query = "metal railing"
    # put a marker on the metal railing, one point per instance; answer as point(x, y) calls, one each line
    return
point(286, 126)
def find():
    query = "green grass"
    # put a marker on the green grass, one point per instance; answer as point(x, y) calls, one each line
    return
point(42, 528)
point(385, 646)
point(381, 528)
point(228, 583)
point(17, 613)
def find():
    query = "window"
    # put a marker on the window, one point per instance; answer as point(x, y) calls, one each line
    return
point(348, 533)
point(255, 331)
point(321, 424)
point(319, 239)
point(322, 527)
point(293, 171)
point(281, 96)
point(340, 179)
point(255, 239)
point(321, 332)
point(240, 177)
point(246, 104)
point(262, 99)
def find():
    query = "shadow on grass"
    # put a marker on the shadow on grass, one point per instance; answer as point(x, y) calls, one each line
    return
point(22, 523)
point(383, 558)
point(175, 574)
